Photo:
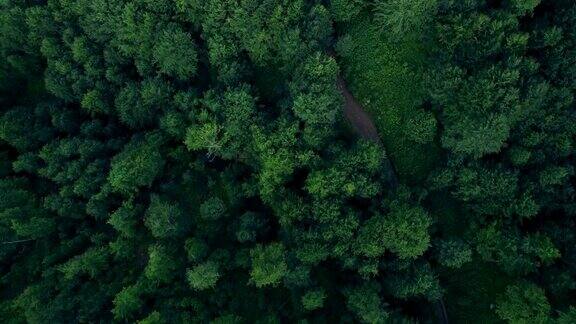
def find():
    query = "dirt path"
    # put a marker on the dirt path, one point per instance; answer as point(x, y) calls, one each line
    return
point(355, 114)
point(362, 123)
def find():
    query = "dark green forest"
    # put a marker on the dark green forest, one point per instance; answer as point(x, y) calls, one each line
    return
point(201, 161)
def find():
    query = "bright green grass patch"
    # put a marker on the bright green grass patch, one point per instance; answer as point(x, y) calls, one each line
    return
point(386, 77)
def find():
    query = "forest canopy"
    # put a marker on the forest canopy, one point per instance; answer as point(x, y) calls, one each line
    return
point(207, 161)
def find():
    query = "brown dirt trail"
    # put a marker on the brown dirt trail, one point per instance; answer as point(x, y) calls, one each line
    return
point(362, 123)
point(355, 114)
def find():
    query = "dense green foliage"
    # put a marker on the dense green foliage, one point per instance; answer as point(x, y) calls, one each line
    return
point(386, 73)
point(187, 161)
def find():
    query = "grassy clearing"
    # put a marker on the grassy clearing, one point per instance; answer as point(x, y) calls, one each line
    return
point(386, 78)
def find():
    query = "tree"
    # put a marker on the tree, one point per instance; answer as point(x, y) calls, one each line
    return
point(212, 209)
point(154, 318)
point(313, 299)
point(196, 249)
point(349, 175)
point(365, 302)
point(421, 127)
point(404, 231)
point(400, 17)
point(92, 262)
point(188, 161)
point(454, 253)
point(251, 225)
point(515, 252)
point(413, 279)
point(524, 7)
point(203, 276)
point(162, 266)
point(21, 128)
point(221, 130)
point(345, 10)
point(317, 106)
point(128, 302)
point(125, 219)
point(524, 303)
point(268, 264)
point(136, 166)
point(175, 53)
point(137, 104)
point(164, 218)
point(568, 317)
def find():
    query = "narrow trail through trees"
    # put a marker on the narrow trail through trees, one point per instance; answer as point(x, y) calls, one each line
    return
point(363, 124)
point(357, 116)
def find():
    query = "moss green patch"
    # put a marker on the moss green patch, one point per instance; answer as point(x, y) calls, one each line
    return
point(386, 78)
